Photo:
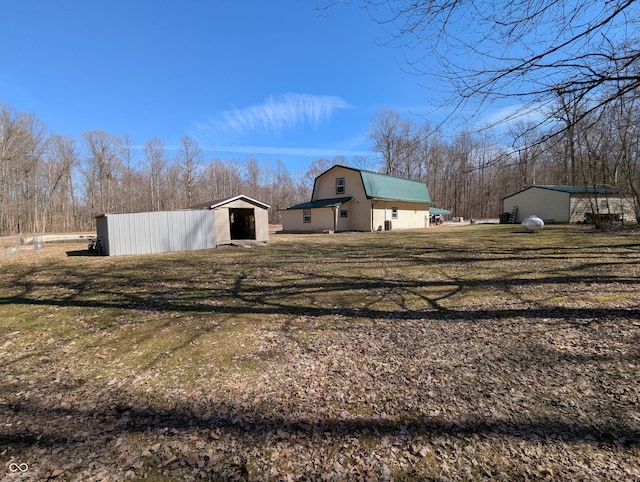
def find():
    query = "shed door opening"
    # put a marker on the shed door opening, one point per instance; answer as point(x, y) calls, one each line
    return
point(242, 223)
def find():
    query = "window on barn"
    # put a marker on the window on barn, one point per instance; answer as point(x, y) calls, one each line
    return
point(340, 185)
point(394, 213)
point(306, 215)
point(344, 213)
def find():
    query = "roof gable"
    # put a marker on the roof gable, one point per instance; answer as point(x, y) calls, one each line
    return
point(387, 187)
point(221, 202)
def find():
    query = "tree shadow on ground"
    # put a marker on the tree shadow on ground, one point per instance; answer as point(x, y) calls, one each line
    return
point(68, 426)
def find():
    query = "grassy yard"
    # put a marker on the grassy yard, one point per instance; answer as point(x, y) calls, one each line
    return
point(474, 352)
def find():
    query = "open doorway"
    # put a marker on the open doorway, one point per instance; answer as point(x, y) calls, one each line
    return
point(242, 223)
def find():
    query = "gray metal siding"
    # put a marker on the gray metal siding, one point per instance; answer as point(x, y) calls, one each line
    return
point(156, 232)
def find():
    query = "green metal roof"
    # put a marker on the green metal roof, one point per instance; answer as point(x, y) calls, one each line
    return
point(377, 186)
point(438, 211)
point(393, 188)
point(580, 189)
point(320, 203)
point(571, 189)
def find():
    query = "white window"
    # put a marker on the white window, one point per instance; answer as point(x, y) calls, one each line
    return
point(394, 213)
point(340, 185)
point(306, 215)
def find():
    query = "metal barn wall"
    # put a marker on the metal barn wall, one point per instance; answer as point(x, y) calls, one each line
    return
point(604, 203)
point(547, 204)
point(156, 232)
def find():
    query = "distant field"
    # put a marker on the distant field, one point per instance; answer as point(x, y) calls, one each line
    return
point(459, 352)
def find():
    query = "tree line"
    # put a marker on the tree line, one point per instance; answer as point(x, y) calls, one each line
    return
point(579, 143)
point(54, 183)
point(574, 68)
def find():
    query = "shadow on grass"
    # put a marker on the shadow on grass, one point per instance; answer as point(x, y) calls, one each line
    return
point(80, 252)
point(68, 426)
point(238, 285)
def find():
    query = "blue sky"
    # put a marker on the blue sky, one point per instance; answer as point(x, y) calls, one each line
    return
point(276, 80)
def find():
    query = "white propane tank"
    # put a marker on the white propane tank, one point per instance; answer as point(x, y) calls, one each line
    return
point(533, 223)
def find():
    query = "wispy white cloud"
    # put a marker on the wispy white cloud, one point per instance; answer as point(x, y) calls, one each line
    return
point(511, 114)
point(294, 151)
point(276, 114)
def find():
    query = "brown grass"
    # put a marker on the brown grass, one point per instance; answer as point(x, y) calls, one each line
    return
point(469, 352)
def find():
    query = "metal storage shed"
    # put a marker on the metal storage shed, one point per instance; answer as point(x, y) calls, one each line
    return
point(238, 218)
point(155, 232)
point(564, 204)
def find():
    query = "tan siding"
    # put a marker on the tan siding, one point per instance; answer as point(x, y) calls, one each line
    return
point(262, 224)
point(223, 231)
point(346, 224)
point(561, 207)
point(625, 207)
point(292, 220)
point(410, 215)
point(321, 220)
point(241, 204)
point(223, 228)
point(325, 186)
point(582, 203)
point(547, 204)
point(363, 214)
point(361, 218)
point(359, 214)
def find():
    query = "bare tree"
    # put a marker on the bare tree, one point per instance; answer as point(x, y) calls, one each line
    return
point(527, 151)
point(36, 139)
point(253, 177)
point(154, 152)
point(626, 170)
point(191, 162)
point(223, 179)
point(278, 190)
point(483, 50)
point(23, 143)
point(389, 133)
point(570, 112)
point(104, 163)
point(11, 149)
point(128, 160)
point(58, 180)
